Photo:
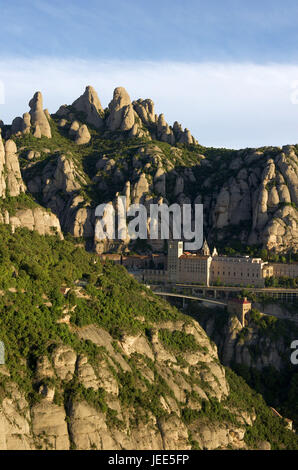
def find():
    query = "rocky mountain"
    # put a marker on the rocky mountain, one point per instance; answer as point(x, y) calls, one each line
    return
point(252, 345)
point(84, 155)
point(17, 209)
point(261, 351)
point(94, 360)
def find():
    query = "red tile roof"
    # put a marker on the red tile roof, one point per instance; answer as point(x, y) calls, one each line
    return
point(239, 301)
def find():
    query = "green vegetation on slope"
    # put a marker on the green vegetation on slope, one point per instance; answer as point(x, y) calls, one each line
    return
point(178, 341)
point(33, 269)
point(267, 426)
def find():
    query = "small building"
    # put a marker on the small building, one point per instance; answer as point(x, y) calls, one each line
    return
point(239, 307)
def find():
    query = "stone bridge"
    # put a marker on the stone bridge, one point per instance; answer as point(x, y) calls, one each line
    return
point(223, 293)
point(189, 297)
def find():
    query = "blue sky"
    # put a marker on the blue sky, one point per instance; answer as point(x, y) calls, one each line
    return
point(225, 67)
point(176, 30)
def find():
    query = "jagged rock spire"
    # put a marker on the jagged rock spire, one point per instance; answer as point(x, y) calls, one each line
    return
point(26, 124)
point(38, 117)
point(122, 115)
point(90, 104)
point(14, 182)
point(145, 110)
point(10, 174)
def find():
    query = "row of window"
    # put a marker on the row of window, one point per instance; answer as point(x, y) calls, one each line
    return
point(192, 270)
point(235, 275)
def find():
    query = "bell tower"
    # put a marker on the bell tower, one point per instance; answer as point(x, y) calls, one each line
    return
point(175, 250)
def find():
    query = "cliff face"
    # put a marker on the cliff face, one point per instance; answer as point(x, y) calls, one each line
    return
point(121, 423)
point(39, 219)
point(16, 210)
point(260, 352)
point(95, 360)
point(102, 405)
point(90, 155)
point(264, 342)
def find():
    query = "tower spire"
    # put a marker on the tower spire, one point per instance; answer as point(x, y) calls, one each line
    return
point(205, 248)
point(214, 252)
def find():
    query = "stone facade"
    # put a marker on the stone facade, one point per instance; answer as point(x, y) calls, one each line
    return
point(284, 270)
point(206, 269)
point(237, 270)
point(194, 268)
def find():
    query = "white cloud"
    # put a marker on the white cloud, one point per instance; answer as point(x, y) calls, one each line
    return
point(228, 105)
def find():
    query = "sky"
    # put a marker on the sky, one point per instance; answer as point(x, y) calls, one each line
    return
point(225, 69)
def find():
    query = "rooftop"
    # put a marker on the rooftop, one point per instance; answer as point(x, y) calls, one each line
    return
point(193, 256)
point(238, 259)
point(240, 301)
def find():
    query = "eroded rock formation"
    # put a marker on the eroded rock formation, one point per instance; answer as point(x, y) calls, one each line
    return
point(39, 120)
point(249, 194)
point(121, 111)
point(89, 104)
point(81, 425)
